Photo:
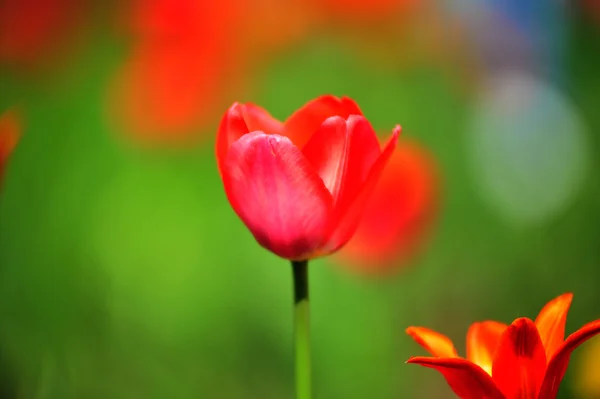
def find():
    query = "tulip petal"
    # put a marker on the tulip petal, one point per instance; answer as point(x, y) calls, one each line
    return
point(303, 123)
point(482, 341)
point(557, 366)
point(387, 238)
point(343, 153)
point(347, 215)
point(551, 323)
point(520, 361)
point(466, 379)
point(232, 127)
point(257, 118)
point(435, 343)
point(277, 194)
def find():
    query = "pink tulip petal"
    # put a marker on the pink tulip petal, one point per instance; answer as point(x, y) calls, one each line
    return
point(257, 118)
point(347, 216)
point(232, 127)
point(303, 123)
point(386, 239)
point(278, 194)
point(343, 153)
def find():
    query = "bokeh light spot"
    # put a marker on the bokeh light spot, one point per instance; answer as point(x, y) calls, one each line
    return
point(528, 148)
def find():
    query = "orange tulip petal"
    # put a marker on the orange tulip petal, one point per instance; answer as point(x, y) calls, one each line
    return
point(520, 361)
point(557, 366)
point(482, 340)
point(303, 123)
point(435, 343)
point(551, 323)
point(466, 379)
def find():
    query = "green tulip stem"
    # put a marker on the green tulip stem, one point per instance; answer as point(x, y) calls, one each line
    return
point(302, 330)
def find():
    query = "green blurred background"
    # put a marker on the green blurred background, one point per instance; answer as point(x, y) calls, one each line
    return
point(124, 273)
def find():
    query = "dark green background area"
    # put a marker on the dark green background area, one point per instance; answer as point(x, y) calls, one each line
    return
point(124, 273)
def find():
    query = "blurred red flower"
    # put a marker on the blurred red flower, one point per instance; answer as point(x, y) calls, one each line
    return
point(10, 131)
point(300, 186)
point(180, 64)
point(399, 213)
point(33, 32)
point(526, 360)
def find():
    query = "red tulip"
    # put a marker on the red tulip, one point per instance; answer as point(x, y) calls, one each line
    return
point(399, 213)
point(300, 186)
point(10, 128)
point(526, 360)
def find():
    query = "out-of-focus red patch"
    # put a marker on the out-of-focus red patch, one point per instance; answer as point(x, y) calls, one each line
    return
point(33, 32)
point(594, 7)
point(399, 214)
point(10, 132)
point(182, 61)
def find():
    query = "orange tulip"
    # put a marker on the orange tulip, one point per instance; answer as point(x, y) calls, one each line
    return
point(526, 360)
point(9, 136)
point(398, 214)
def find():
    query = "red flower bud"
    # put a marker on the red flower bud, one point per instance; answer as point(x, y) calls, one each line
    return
point(300, 186)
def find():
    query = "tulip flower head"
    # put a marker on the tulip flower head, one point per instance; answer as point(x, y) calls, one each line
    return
point(300, 186)
point(9, 136)
point(525, 360)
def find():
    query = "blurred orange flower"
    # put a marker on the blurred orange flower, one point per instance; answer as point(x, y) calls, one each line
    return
point(399, 214)
point(10, 128)
point(526, 360)
point(182, 58)
point(34, 31)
